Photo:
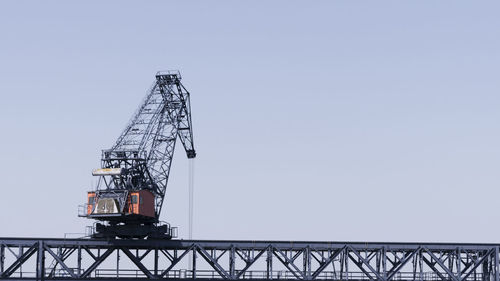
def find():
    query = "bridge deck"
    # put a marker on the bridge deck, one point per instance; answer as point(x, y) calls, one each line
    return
point(86, 259)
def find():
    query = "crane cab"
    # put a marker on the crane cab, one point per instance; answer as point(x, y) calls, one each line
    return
point(120, 204)
point(90, 202)
point(142, 203)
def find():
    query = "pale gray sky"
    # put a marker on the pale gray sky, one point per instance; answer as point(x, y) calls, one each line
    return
point(325, 120)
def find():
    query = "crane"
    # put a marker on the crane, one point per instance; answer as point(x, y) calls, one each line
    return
point(134, 172)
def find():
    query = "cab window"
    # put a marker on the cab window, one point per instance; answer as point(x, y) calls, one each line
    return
point(134, 199)
point(91, 200)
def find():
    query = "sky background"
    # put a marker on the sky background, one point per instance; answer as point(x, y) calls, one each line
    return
point(324, 120)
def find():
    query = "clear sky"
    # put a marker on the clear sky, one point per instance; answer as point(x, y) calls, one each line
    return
point(313, 120)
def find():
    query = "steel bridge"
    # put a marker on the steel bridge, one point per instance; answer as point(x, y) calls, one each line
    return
point(95, 259)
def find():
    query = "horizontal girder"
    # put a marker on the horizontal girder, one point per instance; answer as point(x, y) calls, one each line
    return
point(86, 259)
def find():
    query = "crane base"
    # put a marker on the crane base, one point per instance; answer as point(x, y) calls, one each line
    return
point(141, 231)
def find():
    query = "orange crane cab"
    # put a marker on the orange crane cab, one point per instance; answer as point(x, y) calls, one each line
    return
point(105, 205)
point(90, 202)
point(142, 203)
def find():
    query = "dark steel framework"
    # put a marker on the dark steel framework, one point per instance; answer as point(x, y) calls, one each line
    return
point(146, 147)
point(141, 159)
point(84, 259)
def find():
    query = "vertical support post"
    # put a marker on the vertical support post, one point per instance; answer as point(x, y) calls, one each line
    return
point(459, 263)
point(59, 253)
point(495, 266)
point(117, 263)
point(194, 263)
point(79, 261)
point(451, 257)
point(346, 260)
point(269, 261)
point(156, 262)
point(342, 265)
point(40, 262)
point(21, 251)
point(232, 257)
point(414, 265)
point(384, 262)
point(378, 261)
point(307, 262)
point(2, 258)
point(421, 264)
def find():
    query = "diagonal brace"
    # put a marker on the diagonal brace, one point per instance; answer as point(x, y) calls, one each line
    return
point(137, 262)
point(60, 261)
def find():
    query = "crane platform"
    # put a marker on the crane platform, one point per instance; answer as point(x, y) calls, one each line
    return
point(135, 259)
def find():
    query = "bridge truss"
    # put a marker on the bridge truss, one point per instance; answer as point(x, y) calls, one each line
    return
point(87, 259)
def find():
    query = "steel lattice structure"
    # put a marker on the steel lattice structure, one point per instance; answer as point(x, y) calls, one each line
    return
point(87, 259)
point(147, 144)
point(134, 173)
